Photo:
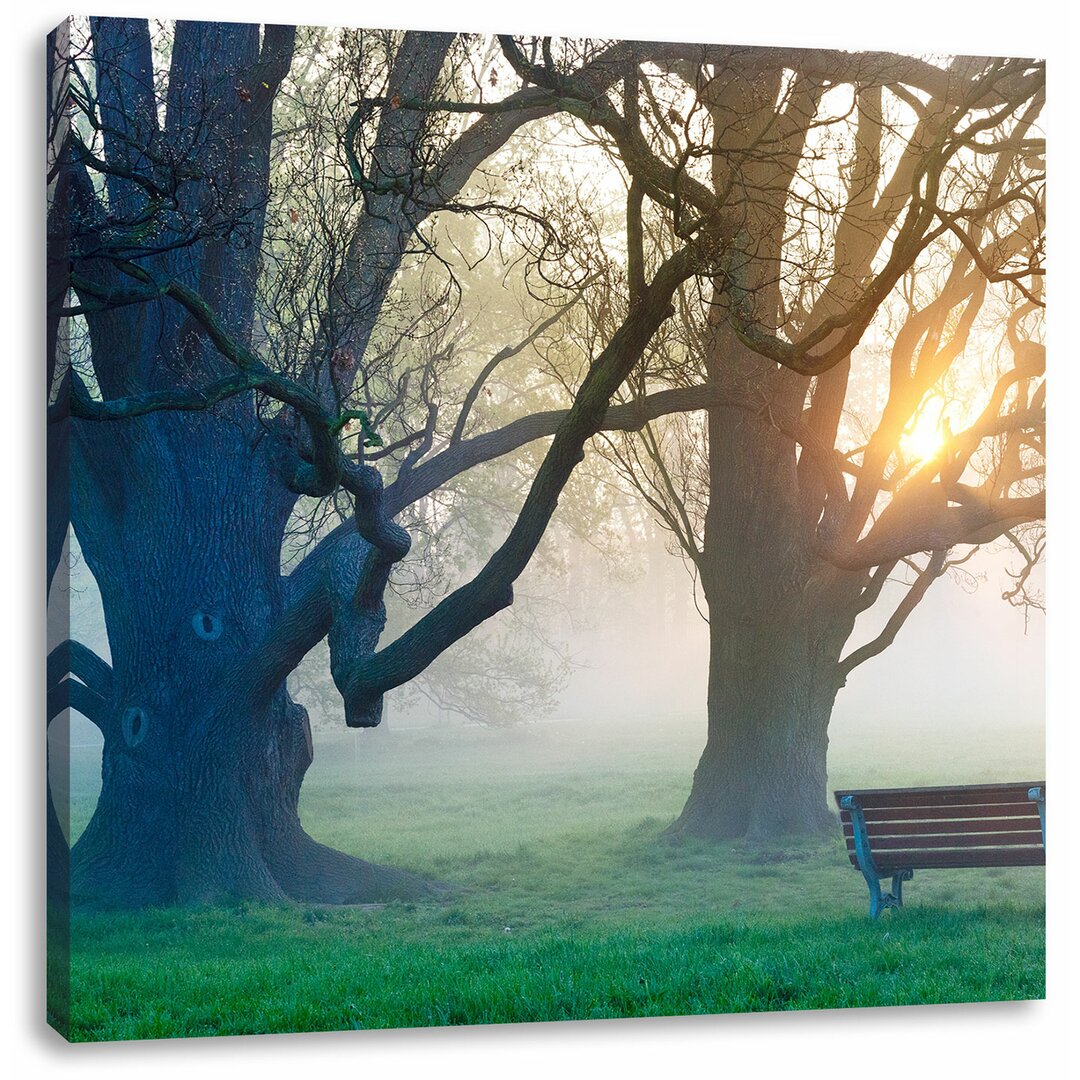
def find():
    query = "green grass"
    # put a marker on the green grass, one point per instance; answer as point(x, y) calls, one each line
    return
point(569, 905)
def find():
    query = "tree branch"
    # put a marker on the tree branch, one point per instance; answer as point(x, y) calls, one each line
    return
point(88, 696)
point(928, 523)
point(75, 658)
point(503, 354)
point(916, 591)
point(444, 466)
point(364, 680)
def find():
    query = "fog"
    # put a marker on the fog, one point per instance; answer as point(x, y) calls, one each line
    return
point(965, 662)
point(964, 673)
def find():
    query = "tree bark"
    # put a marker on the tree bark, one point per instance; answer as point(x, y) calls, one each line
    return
point(180, 520)
point(763, 771)
point(775, 633)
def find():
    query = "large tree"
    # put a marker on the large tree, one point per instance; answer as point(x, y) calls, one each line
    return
point(196, 416)
point(796, 499)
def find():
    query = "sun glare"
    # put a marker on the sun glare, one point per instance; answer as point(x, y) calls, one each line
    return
point(925, 436)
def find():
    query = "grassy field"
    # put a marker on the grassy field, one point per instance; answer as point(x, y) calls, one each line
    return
point(569, 906)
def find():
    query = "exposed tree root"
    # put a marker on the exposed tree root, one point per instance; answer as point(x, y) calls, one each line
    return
point(314, 873)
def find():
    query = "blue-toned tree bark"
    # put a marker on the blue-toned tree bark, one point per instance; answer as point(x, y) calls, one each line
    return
point(181, 483)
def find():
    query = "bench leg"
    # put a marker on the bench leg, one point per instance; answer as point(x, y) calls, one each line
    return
point(898, 885)
point(880, 901)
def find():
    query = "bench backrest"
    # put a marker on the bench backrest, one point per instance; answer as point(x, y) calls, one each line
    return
point(973, 825)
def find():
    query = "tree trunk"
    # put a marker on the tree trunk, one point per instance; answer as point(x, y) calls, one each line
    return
point(774, 644)
point(763, 770)
point(181, 516)
point(201, 772)
point(213, 817)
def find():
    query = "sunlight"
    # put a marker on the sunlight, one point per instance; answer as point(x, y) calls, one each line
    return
point(924, 437)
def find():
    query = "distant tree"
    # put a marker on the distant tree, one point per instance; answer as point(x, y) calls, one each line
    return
point(794, 498)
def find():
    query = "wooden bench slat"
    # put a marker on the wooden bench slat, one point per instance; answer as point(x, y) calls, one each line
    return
point(955, 840)
point(891, 862)
point(896, 831)
point(918, 828)
point(972, 857)
point(944, 796)
point(929, 813)
point(944, 789)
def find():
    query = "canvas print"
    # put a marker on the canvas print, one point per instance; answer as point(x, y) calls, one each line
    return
point(538, 528)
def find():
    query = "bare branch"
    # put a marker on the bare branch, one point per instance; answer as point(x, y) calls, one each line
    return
point(916, 591)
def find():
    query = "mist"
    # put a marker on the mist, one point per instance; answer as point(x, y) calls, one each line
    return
point(961, 690)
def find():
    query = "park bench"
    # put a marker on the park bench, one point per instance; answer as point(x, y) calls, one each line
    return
point(892, 832)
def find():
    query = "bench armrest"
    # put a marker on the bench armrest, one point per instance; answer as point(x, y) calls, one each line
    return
point(865, 856)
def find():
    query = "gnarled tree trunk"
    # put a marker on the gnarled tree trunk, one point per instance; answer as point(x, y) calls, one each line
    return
point(180, 520)
point(181, 515)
